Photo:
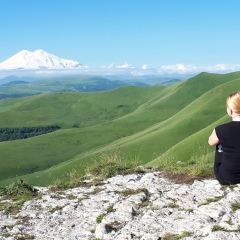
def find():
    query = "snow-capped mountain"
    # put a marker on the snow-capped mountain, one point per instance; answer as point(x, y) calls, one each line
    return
point(38, 59)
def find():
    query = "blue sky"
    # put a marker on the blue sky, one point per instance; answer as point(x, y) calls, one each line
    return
point(100, 33)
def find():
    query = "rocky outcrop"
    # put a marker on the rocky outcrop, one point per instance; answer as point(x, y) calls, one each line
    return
point(137, 206)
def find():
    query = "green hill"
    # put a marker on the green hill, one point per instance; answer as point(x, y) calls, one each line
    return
point(158, 126)
point(19, 87)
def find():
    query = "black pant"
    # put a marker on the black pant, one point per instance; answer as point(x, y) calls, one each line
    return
point(223, 177)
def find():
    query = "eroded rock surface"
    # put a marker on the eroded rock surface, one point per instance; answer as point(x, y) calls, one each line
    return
point(137, 206)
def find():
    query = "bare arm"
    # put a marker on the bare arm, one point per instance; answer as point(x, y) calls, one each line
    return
point(213, 139)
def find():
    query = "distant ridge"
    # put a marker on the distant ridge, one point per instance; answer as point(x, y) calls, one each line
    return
point(38, 59)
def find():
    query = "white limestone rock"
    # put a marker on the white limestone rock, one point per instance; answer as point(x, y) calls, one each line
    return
point(154, 207)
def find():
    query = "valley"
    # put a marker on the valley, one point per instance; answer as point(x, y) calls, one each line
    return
point(158, 126)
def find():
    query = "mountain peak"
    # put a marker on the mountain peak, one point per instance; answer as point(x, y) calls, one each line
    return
point(38, 59)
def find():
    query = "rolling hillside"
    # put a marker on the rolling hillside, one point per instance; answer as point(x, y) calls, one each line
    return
point(151, 124)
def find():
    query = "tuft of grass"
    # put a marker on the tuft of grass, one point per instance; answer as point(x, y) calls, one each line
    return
point(210, 200)
point(189, 210)
point(199, 165)
point(224, 187)
point(100, 218)
point(218, 228)
point(26, 236)
point(128, 192)
point(110, 209)
point(171, 236)
point(173, 205)
point(111, 164)
point(235, 206)
point(7, 235)
point(144, 204)
point(18, 193)
point(71, 196)
point(229, 222)
point(68, 180)
point(57, 208)
point(96, 190)
point(107, 165)
point(201, 161)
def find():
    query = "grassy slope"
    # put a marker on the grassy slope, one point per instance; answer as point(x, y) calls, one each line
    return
point(66, 109)
point(44, 151)
point(211, 111)
point(170, 121)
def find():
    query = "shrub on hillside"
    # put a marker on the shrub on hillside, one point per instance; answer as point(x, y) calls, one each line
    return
point(8, 134)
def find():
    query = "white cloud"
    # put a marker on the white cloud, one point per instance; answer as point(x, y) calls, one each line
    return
point(109, 66)
point(144, 66)
point(225, 67)
point(125, 65)
point(182, 68)
point(173, 69)
point(129, 69)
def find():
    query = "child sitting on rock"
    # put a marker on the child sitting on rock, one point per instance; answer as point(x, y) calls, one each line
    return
point(226, 138)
